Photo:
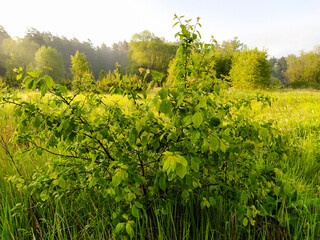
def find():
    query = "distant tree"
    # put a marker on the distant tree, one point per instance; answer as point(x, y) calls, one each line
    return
point(3, 35)
point(36, 36)
point(80, 70)
point(279, 67)
point(21, 52)
point(250, 69)
point(49, 57)
point(224, 56)
point(17, 53)
point(306, 67)
point(120, 54)
point(148, 51)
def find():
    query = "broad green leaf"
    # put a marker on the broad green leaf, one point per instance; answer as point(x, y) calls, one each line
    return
point(132, 138)
point(162, 183)
point(119, 227)
point(138, 205)
point(116, 180)
point(181, 170)
point(170, 164)
point(185, 194)
point(195, 135)
point(19, 76)
point(129, 230)
point(214, 143)
point(165, 106)
point(48, 81)
point(212, 201)
point(62, 183)
point(186, 120)
point(197, 119)
point(37, 122)
point(287, 188)
point(62, 89)
point(135, 211)
point(195, 164)
point(163, 93)
point(245, 222)
point(223, 147)
point(244, 198)
point(44, 195)
point(44, 89)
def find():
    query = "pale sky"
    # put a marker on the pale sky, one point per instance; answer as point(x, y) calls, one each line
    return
point(280, 26)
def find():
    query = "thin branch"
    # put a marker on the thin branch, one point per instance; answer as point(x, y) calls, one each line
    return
point(6, 149)
point(58, 154)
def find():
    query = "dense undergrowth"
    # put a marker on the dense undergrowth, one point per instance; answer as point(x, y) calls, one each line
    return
point(192, 161)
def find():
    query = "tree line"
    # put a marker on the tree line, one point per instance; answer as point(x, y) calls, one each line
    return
point(231, 60)
point(42, 49)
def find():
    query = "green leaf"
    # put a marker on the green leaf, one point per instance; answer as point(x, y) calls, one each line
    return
point(186, 121)
point(61, 89)
point(135, 211)
point(244, 198)
point(223, 147)
point(212, 201)
point(48, 81)
point(165, 106)
point(129, 230)
point(163, 93)
point(37, 122)
point(195, 164)
point(287, 188)
point(185, 194)
point(19, 76)
point(44, 195)
point(116, 180)
point(214, 143)
point(181, 170)
point(119, 227)
point(197, 119)
point(44, 89)
point(157, 75)
point(162, 183)
point(170, 164)
point(245, 222)
point(62, 182)
point(132, 138)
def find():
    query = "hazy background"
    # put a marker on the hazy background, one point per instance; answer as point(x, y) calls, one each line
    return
point(280, 26)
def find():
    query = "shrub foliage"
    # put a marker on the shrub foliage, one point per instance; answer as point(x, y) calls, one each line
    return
point(186, 145)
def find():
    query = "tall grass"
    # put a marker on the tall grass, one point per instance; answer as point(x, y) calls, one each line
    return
point(89, 216)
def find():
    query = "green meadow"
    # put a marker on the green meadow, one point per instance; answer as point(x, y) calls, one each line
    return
point(295, 113)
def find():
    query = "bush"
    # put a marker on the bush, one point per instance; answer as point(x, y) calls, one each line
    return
point(201, 60)
point(303, 85)
point(186, 148)
point(10, 79)
point(275, 83)
point(126, 82)
point(250, 69)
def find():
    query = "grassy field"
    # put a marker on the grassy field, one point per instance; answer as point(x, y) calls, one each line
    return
point(296, 114)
